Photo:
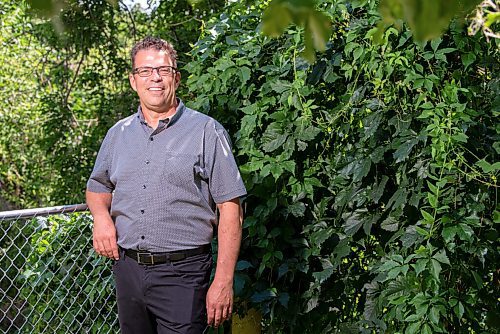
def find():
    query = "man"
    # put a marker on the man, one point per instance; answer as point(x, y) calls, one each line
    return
point(153, 193)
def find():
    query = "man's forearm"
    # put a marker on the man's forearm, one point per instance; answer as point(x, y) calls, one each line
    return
point(104, 234)
point(220, 293)
point(229, 240)
point(98, 203)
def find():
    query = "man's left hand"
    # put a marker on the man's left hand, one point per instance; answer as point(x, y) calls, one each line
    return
point(219, 303)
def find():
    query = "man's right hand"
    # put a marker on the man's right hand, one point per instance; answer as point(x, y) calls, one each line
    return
point(104, 236)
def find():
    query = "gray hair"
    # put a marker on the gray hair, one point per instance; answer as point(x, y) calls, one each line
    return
point(154, 43)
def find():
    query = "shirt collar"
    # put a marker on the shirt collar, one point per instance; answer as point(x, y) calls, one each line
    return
point(169, 120)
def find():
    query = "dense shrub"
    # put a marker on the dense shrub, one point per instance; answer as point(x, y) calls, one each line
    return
point(372, 174)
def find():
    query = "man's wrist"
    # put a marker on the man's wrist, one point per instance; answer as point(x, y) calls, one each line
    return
point(224, 279)
point(102, 216)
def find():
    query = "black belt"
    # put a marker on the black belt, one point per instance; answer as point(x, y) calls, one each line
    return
point(148, 258)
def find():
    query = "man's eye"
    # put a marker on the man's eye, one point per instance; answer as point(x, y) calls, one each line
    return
point(165, 71)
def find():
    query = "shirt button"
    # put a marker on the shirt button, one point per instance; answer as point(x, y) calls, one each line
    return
point(151, 138)
point(147, 162)
point(142, 211)
point(143, 186)
point(142, 237)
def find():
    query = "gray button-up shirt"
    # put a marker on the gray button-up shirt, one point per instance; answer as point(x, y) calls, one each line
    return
point(166, 181)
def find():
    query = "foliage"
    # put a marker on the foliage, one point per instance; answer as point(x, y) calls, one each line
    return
point(487, 19)
point(64, 89)
point(317, 28)
point(303, 13)
point(56, 91)
point(372, 174)
point(418, 13)
point(65, 284)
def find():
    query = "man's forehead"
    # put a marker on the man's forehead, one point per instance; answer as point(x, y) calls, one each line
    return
point(150, 55)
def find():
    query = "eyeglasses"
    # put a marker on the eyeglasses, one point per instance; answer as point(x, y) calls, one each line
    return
point(146, 71)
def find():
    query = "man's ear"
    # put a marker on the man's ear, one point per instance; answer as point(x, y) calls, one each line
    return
point(132, 81)
point(177, 79)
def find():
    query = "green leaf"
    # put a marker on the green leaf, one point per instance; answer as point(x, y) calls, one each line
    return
point(412, 318)
point(429, 219)
point(390, 224)
point(273, 137)
point(319, 27)
point(357, 53)
point(496, 217)
point(284, 299)
point(259, 297)
point(323, 275)
point(434, 315)
point(393, 273)
point(242, 265)
point(361, 169)
point(468, 58)
point(465, 232)
point(289, 166)
point(276, 170)
point(403, 151)
point(276, 18)
point(280, 86)
point(307, 134)
point(427, 329)
point(388, 265)
point(413, 328)
point(278, 255)
point(459, 310)
point(449, 233)
point(460, 137)
point(398, 199)
point(250, 109)
point(296, 209)
point(492, 18)
point(441, 257)
point(487, 167)
point(379, 189)
point(245, 74)
point(420, 265)
point(353, 222)
point(432, 200)
point(435, 269)
point(477, 279)
point(421, 231)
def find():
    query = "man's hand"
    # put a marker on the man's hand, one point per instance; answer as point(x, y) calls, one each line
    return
point(104, 237)
point(219, 303)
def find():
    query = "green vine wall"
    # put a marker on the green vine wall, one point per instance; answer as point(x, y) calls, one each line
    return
point(372, 174)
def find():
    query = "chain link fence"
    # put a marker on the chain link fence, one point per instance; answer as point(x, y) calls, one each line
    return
point(51, 279)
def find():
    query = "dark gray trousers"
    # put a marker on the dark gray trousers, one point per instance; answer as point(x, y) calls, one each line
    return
point(163, 298)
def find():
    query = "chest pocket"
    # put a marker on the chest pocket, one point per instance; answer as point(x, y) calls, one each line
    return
point(180, 169)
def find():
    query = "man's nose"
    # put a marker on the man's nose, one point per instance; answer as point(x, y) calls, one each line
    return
point(156, 74)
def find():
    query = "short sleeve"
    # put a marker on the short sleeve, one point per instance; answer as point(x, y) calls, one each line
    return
point(224, 178)
point(99, 181)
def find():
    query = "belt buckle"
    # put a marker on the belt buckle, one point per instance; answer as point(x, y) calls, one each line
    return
point(139, 254)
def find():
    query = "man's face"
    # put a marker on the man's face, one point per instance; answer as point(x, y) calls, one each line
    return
point(156, 93)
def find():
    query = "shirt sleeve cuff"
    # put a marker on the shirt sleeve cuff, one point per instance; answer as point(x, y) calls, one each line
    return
point(229, 196)
point(97, 187)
